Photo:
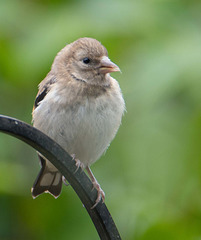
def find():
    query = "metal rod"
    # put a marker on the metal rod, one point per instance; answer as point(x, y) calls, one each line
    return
point(100, 215)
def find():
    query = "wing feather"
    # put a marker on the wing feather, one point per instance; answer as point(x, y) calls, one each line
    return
point(44, 89)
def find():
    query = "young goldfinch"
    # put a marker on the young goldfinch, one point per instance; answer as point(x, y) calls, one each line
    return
point(80, 106)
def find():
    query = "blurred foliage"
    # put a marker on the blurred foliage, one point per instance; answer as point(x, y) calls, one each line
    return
point(151, 173)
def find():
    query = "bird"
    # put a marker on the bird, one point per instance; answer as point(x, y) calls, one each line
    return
point(80, 106)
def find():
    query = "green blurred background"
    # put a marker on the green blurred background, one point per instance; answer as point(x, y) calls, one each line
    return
point(151, 173)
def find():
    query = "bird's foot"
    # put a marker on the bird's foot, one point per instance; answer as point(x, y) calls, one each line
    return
point(78, 163)
point(96, 185)
point(101, 194)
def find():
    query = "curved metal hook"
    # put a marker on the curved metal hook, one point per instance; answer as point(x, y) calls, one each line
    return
point(100, 215)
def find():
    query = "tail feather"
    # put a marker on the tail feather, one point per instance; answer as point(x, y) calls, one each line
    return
point(47, 181)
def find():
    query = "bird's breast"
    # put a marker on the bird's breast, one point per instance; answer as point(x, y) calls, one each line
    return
point(84, 127)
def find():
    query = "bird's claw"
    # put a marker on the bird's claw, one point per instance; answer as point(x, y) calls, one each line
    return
point(78, 163)
point(100, 195)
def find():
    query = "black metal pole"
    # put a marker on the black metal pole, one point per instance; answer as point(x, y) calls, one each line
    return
point(63, 162)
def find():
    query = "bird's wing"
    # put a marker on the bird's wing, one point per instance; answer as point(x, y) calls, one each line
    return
point(44, 87)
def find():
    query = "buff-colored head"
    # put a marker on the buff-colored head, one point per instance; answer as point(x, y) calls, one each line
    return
point(85, 59)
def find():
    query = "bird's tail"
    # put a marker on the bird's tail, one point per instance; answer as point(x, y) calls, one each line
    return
point(48, 181)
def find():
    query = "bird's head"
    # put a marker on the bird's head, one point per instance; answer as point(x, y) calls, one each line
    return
point(86, 60)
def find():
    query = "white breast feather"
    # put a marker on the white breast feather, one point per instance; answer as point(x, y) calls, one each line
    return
point(86, 131)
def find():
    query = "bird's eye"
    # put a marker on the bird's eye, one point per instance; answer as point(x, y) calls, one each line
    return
point(86, 60)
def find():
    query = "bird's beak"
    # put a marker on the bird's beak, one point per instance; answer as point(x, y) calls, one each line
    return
point(107, 66)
